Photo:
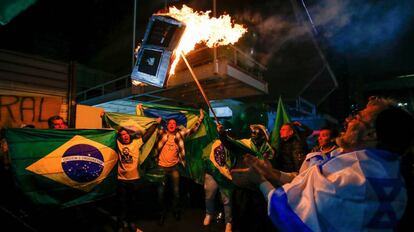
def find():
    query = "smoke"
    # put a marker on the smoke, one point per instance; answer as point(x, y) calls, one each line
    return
point(332, 13)
point(356, 27)
point(269, 34)
point(362, 27)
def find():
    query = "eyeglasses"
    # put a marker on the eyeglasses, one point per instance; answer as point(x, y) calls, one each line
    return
point(255, 132)
point(373, 98)
point(358, 117)
point(354, 116)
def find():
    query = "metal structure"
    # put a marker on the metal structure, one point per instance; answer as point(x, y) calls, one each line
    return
point(238, 76)
point(161, 38)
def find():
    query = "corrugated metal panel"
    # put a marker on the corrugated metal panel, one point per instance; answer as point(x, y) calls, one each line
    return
point(40, 81)
point(25, 73)
point(34, 61)
point(36, 78)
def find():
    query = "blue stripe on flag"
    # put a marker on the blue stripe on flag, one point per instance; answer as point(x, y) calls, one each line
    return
point(167, 115)
point(387, 191)
point(282, 216)
point(389, 156)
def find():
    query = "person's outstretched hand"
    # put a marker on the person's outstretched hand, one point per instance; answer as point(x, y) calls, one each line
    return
point(220, 128)
point(139, 106)
point(263, 168)
point(139, 110)
point(201, 114)
point(246, 177)
point(158, 120)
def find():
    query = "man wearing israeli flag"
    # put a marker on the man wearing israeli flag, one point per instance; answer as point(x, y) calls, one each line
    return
point(359, 189)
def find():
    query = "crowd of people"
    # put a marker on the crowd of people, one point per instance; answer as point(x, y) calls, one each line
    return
point(356, 187)
point(341, 184)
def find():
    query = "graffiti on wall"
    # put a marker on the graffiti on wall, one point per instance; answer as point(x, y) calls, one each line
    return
point(18, 110)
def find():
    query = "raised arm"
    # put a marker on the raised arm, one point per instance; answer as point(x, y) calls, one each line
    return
point(264, 168)
point(225, 139)
point(139, 110)
point(151, 130)
point(105, 124)
point(305, 130)
point(198, 123)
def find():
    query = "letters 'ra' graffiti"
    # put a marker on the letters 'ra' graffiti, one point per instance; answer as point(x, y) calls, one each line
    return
point(15, 110)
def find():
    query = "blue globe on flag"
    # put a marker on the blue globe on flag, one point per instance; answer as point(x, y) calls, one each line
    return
point(82, 163)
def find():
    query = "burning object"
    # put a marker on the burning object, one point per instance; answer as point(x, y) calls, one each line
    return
point(172, 35)
point(153, 61)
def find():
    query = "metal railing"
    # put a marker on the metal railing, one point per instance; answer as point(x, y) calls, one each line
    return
point(197, 57)
point(119, 83)
point(232, 54)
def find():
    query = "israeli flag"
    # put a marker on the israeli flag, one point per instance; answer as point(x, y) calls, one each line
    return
point(357, 191)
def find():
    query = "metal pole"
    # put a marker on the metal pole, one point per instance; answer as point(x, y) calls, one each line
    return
point(199, 87)
point(215, 48)
point(71, 100)
point(300, 19)
point(133, 35)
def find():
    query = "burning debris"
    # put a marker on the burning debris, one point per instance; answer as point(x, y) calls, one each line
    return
point(169, 35)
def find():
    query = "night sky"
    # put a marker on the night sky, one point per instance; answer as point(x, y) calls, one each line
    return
point(370, 40)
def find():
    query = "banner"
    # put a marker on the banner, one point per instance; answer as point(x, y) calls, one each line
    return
point(194, 145)
point(282, 117)
point(63, 167)
point(137, 124)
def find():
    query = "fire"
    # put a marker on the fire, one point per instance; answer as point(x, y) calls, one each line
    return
point(201, 28)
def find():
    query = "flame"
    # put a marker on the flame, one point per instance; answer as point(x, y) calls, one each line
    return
point(201, 28)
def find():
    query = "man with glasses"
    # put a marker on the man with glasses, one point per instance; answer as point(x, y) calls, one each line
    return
point(360, 189)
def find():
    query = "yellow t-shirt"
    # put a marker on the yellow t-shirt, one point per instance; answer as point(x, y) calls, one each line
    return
point(169, 153)
point(129, 159)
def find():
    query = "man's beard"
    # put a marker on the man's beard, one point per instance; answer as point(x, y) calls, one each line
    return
point(351, 139)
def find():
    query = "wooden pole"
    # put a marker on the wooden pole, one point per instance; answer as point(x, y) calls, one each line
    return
point(199, 87)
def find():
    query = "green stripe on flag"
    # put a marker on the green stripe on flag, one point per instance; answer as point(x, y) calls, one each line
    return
point(11, 8)
point(133, 123)
point(282, 117)
point(63, 167)
point(194, 145)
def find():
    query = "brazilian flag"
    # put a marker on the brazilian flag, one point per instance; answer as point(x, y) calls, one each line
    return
point(138, 124)
point(219, 163)
point(135, 124)
point(63, 167)
point(194, 144)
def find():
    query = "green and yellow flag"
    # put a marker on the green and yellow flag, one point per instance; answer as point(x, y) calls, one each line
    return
point(63, 167)
point(137, 124)
point(194, 145)
point(218, 162)
point(282, 117)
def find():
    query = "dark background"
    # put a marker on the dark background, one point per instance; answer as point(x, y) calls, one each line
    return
point(363, 41)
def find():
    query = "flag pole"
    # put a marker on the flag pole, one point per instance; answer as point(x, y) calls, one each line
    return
point(199, 87)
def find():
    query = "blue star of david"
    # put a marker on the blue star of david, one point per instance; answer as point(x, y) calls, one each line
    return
point(387, 190)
